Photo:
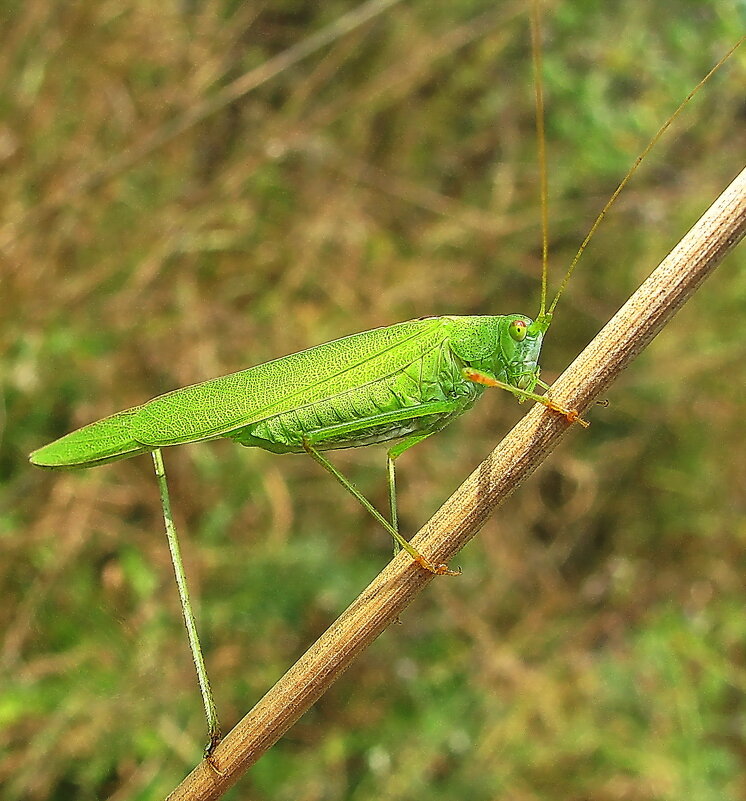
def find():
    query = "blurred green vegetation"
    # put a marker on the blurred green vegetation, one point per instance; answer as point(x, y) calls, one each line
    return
point(595, 645)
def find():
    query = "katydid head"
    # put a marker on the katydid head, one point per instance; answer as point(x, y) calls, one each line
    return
point(504, 346)
point(517, 357)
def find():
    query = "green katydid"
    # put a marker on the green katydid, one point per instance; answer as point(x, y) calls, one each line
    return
point(403, 382)
point(397, 384)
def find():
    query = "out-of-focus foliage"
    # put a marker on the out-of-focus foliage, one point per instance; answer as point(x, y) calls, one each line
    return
point(595, 645)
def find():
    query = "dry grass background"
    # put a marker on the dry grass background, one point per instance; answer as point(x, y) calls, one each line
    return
point(595, 645)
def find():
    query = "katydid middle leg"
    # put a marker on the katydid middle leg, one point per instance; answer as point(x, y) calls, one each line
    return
point(394, 453)
point(314, 439)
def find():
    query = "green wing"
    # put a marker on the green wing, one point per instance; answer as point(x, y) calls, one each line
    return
point(104, 441)
point(213, 408)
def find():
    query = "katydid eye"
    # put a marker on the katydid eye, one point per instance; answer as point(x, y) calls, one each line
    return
point(517, 330)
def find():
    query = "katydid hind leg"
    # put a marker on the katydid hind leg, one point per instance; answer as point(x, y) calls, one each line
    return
point(213, 725)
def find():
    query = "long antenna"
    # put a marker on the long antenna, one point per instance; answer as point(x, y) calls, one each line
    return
point(651, 144)
point(542, 148)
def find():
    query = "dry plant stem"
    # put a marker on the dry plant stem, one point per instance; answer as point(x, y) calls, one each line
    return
point(459, 519)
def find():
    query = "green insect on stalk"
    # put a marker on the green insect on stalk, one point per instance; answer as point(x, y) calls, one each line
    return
point(399, 384)
point(403, 382)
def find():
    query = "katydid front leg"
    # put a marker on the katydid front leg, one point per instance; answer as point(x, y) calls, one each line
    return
point(479, 377)
point(393, 454)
